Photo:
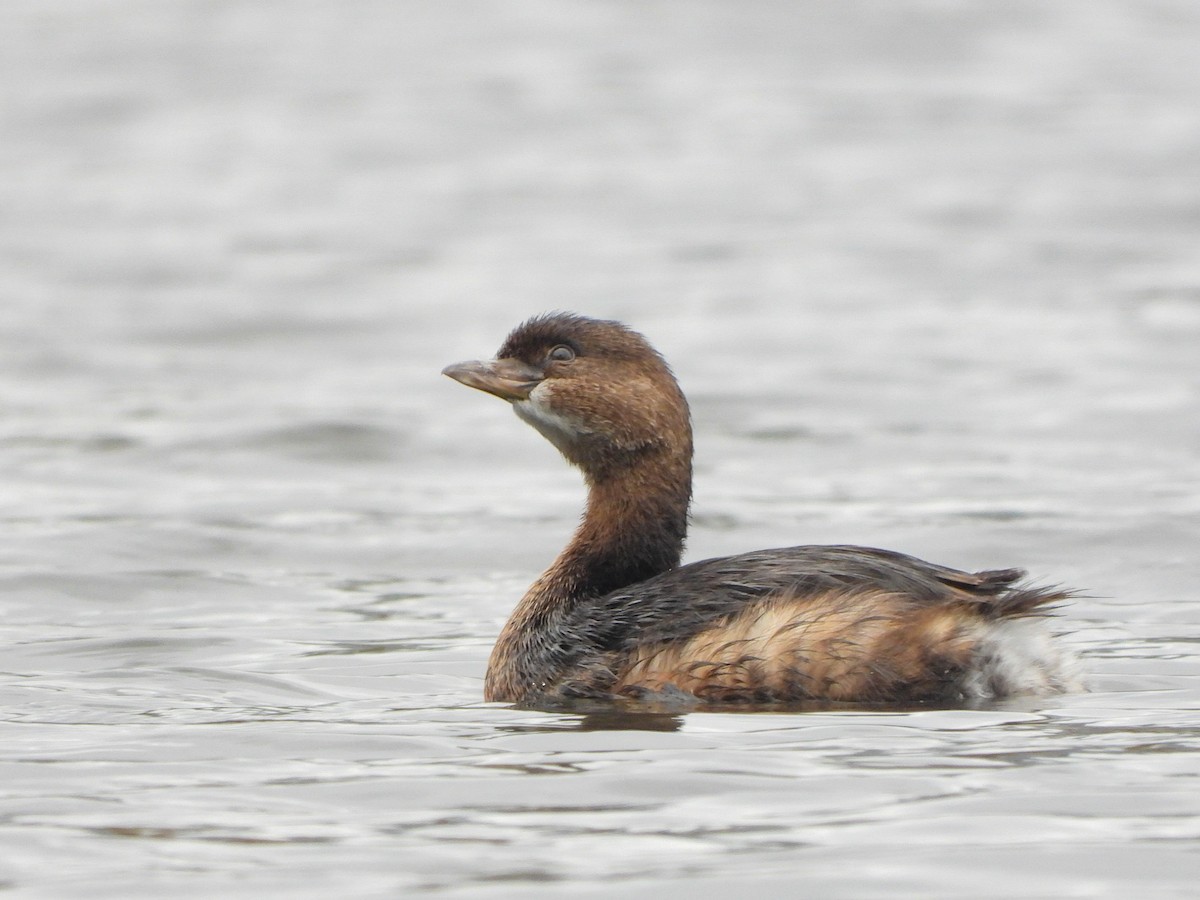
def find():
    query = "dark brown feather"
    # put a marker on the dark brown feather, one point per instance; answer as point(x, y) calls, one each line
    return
point(616, 616)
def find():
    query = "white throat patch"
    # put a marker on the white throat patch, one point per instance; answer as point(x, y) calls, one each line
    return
point(559, 430)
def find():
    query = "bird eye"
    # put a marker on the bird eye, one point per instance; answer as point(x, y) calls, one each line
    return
point(562, 353)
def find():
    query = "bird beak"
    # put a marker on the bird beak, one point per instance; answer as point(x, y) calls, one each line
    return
point(508, 379)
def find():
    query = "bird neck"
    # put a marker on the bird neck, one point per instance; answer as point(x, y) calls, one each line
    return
point(633, 528)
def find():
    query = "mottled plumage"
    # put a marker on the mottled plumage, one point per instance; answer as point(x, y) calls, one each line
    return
point(616, 616)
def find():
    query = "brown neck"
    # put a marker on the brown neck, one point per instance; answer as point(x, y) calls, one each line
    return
point(633, 529)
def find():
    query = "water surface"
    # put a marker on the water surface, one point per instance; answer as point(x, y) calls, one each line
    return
point(929, 275)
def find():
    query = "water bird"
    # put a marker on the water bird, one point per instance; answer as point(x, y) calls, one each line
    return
point(616, 617)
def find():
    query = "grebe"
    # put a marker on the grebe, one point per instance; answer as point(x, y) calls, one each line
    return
point(615, 616)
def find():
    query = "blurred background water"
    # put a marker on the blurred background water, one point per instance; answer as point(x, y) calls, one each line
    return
point(929, 273)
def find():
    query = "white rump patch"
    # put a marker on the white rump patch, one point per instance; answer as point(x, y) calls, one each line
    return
point(1019, 657)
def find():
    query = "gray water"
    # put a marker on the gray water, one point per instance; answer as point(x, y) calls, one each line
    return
point(929, 273)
